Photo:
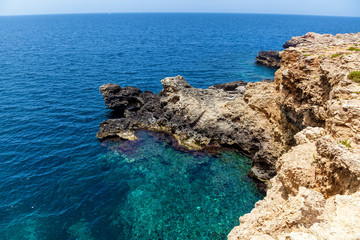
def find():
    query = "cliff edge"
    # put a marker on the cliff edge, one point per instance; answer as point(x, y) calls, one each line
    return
point(316, 192)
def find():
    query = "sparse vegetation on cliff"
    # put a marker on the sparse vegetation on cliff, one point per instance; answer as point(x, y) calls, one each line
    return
point(346, 143)
point(354, 49)
point(317, 187)
point(355, 76)
point(336, 55)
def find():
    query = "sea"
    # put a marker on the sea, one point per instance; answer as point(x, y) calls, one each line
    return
point(58, 181)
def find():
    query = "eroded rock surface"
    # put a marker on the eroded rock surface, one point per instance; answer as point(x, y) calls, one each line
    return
point(316, 192)
point(269, 59)
point(242, 115)
point(312, 40)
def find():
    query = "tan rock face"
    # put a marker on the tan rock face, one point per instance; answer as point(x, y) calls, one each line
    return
point(296, 169)
point(316, 192)
point(310, 196)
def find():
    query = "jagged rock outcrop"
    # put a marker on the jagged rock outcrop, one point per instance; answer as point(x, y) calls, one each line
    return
point(312, 39)
point(119, 99)
point(269, 59)
point(234, 87)
point(243, 115)
point(272, 59)
point(316, 192)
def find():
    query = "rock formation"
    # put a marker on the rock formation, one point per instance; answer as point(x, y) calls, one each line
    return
point(303, 127)
point(244, 116)
point(316, 192)
point(269, 59)
point(272, 59)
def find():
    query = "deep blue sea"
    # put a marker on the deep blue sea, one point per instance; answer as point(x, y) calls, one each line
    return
point(57, 181)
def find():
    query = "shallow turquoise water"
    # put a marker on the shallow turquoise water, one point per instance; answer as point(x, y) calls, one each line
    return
point(136, 190)
point(177, 195)
point(57, 181)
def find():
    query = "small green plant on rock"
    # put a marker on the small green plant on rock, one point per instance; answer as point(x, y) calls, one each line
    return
point(346, 143)
point(336, 55)
point(354, 76)
point(354, 49)
point(315, 159)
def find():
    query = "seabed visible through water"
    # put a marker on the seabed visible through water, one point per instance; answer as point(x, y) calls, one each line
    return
point(173, 194)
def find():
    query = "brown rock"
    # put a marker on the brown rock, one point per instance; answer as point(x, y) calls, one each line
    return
point(269, 59)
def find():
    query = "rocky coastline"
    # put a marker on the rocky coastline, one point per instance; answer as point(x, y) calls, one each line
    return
point(301, 131)
point(199, 118)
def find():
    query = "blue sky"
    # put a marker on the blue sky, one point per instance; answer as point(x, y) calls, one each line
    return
point(311, 7)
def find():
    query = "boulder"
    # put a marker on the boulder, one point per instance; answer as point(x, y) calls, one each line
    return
point(269, 59)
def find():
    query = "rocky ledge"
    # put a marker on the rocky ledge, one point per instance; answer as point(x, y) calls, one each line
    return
point(269, 59)
point(238, 114)
point(272, 59)
point(303, 127)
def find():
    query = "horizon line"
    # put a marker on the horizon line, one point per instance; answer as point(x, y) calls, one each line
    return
point(173, 12)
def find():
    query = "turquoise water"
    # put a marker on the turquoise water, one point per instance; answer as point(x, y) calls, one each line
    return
point(57, 181)
point(177, 195)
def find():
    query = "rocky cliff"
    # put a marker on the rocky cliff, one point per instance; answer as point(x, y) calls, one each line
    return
point(316, 192)
point(303, 127)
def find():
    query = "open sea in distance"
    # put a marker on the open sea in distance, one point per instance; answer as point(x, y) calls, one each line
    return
point(57, 181)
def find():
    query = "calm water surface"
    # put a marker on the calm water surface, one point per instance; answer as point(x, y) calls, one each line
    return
point(58, 182)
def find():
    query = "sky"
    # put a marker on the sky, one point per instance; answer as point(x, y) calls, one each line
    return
point(307, 7)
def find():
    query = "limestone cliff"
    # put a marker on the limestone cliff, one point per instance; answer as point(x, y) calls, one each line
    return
point(316, 192)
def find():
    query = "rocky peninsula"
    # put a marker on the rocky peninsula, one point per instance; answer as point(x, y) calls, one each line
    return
point(301, 131)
